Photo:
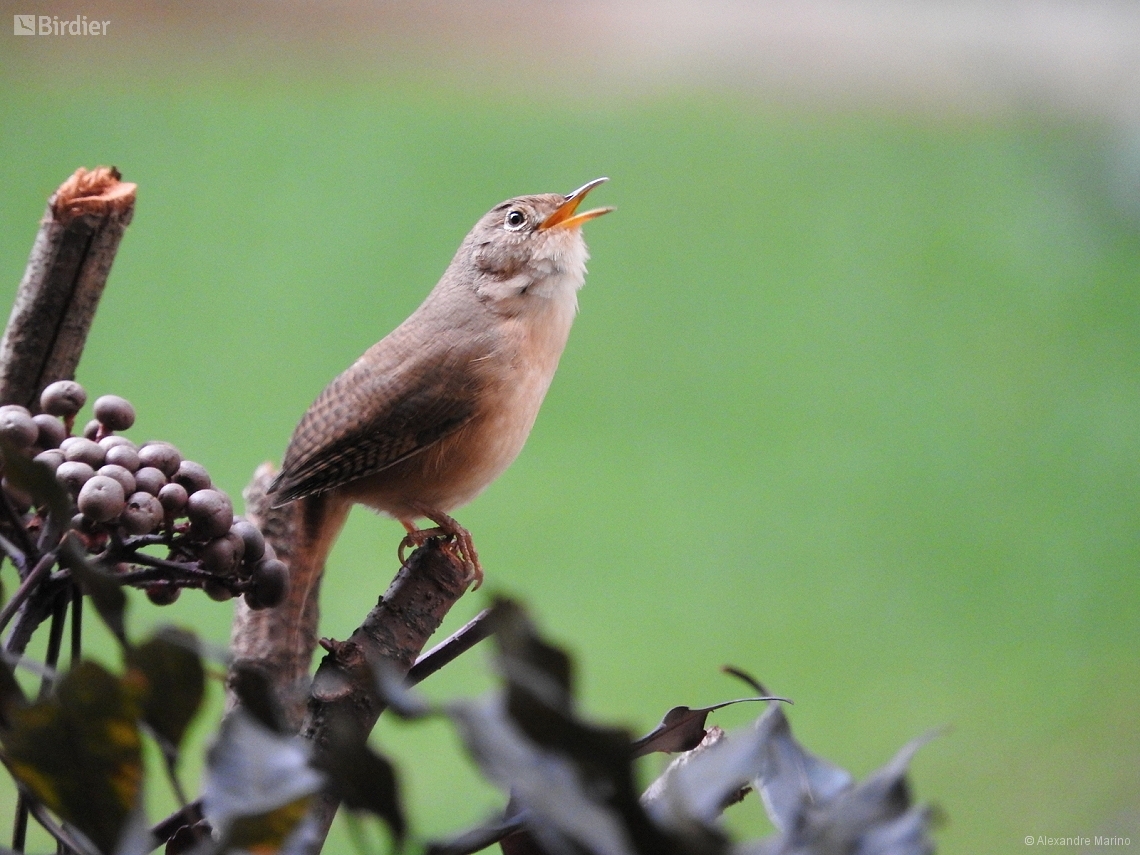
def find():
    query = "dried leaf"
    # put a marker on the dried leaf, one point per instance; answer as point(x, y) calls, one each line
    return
point(266, 832)
point(255, 695)
point(539, 676)
point(698, 785)
point(874, 817)
point(682, 729)
point(563, 815)
point(573, 778)
point(362, 778)
point(257, 783)
point(80, 754)
point(171, 681)
point(791, 776)
point(478, 838)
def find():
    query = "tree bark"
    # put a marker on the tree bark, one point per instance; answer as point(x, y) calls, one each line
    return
point(394, 632)
point(63, 281)
point(278, 642)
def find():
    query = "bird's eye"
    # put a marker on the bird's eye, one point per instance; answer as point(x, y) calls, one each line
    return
point(515, 220)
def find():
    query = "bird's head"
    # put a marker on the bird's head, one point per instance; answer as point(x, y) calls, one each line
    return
point(531, 248)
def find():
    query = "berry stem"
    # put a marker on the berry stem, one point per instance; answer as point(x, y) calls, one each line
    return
point(27, 587)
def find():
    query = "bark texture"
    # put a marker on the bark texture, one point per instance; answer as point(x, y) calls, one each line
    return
point(64, 279)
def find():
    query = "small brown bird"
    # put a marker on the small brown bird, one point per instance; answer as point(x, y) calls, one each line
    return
point(435, 411)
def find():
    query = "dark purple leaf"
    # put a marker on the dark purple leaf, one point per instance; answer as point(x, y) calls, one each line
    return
point(171, 682)
point(360, 777)
point(476, 839)
point(682, 729)
point(79, 753)
point(257, 784)
point(103, 588)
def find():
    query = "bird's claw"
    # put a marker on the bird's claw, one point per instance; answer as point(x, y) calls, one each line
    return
point(457, 544)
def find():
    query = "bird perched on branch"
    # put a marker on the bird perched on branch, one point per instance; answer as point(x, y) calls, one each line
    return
point(436, 410)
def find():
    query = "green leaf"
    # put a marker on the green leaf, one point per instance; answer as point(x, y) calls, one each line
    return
point(170, 680)
point(80, 754)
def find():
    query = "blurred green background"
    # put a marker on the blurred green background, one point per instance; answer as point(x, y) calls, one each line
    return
point(852, 401)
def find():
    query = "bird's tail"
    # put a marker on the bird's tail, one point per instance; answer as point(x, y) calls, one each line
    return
point(280, 641)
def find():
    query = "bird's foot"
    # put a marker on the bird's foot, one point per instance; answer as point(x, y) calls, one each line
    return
point(458, 544)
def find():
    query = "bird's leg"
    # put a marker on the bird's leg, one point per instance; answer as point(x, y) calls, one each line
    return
point(416, 537)
point(459, 543)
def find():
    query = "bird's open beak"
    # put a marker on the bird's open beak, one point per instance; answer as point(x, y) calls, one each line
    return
point(564, 216)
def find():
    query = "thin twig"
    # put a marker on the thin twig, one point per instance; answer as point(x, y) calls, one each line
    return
point(130, 544)
point(27, 587)
point(76, 625)
point(171, 762)
point(448, 650)
point(61, 834)
point(16, 521)
point(20, 823)
point(55, 640)
point(158, 563)
point(16, 555)
point(37, 608)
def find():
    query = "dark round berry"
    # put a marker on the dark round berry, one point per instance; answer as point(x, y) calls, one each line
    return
point(162, 593)
point(222, 555)
point(114, 413)
point(142, 515)
point(73, 474)
point(91, 430)
point(253, 539)
point(84, 450)
point(50, 429)
point(101, 498)
point(123, 455)
point(123, 476)
point(211, 514)
point(51, 458)
point(149, 480)
point(269, 582)
point(173, 498)
point(17, 426)
point(160, 455)
point(193, 476)
point(217, 591)
point(63, 398)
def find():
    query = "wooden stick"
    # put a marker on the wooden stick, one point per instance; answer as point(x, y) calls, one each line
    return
point(64, 279)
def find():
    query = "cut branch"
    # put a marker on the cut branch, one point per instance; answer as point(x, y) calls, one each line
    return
point(344, 690)
point(64, 279)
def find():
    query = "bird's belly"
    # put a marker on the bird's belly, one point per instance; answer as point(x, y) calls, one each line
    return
point(456, 469)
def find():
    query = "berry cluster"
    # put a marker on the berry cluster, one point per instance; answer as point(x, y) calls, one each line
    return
point(128, 497)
